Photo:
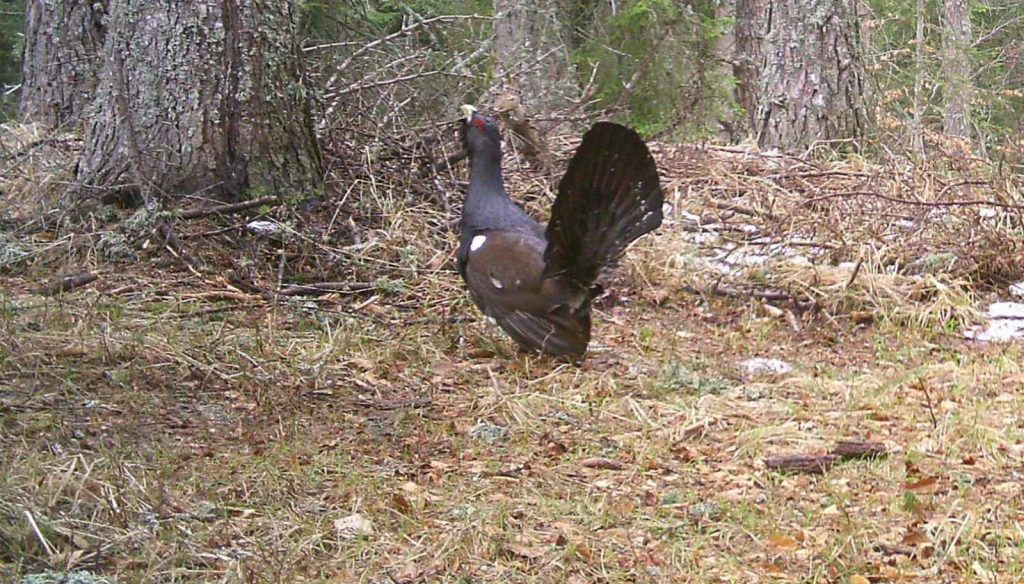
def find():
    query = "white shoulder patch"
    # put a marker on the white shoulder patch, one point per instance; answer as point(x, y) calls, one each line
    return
point(477, 242)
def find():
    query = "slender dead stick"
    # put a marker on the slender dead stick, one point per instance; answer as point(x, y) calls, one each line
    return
point(227, 209)
point(321, 288)
point(67, 283)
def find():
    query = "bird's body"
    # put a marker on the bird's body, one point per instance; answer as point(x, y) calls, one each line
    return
point(537, 283)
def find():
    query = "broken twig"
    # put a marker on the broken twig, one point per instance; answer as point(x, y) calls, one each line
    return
point(67, 283)
point(855, 449)
point(801, 463)
point(321, 288)
point(232, 208)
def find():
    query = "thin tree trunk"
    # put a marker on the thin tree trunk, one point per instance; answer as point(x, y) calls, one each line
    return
point(201, 97)
point(812, 85)
point(724, 51)
point(917, 124)
point(956, 68)
point(63, 41)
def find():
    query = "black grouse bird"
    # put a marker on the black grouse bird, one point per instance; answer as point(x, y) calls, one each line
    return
point(537, 283)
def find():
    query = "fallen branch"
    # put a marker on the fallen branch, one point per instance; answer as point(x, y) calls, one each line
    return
point(819, 174)
point(231, 295)
point(321, 288)
point(741, 209)
point(964, 183)
point(227, 209)
point(394, 404)
point(894, 550)
point(729, 292)
point(602, 463)
point(803, 464)
point(67, 284)
point(855, 449)
point(912, 202)
point(819, 463)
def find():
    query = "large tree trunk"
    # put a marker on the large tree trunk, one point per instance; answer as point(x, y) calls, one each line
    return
point(531, 54)
point(203, 97)
point(748, 57)
point(63, 40)
point(811, 88)
point(956, 68)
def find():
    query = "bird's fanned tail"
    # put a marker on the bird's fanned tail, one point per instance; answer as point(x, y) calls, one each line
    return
point(609, 196)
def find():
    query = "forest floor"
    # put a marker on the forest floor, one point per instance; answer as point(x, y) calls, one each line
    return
point(173, 421)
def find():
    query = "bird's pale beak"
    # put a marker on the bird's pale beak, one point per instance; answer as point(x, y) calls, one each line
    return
point(468, 111)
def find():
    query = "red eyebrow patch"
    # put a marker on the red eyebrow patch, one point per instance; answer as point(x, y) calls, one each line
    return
point(478, 122)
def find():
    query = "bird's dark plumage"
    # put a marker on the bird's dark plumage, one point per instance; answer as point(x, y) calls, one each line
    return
point(537, 283)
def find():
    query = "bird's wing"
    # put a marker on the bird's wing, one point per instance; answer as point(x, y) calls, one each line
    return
point(503, 274)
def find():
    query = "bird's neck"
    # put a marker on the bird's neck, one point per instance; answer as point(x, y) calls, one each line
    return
point(486, 186)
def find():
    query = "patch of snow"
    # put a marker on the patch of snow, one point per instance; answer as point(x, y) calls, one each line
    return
point(762, 366)
point(1000, 329)
point(1007, 323)
point(1017, 290)
point(1006, 310)
point(702, 238)
point(987, 212)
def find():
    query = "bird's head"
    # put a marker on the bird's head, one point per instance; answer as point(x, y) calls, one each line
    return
point(479, 132)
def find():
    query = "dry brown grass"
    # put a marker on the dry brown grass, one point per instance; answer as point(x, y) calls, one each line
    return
point(838, 238)
point(171, 423)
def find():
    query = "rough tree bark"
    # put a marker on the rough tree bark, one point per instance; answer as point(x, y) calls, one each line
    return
point(748, 57)
point(531, 53)
point(956, 68)
point(811, 88)
point(63, 40)
point(203, 97)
